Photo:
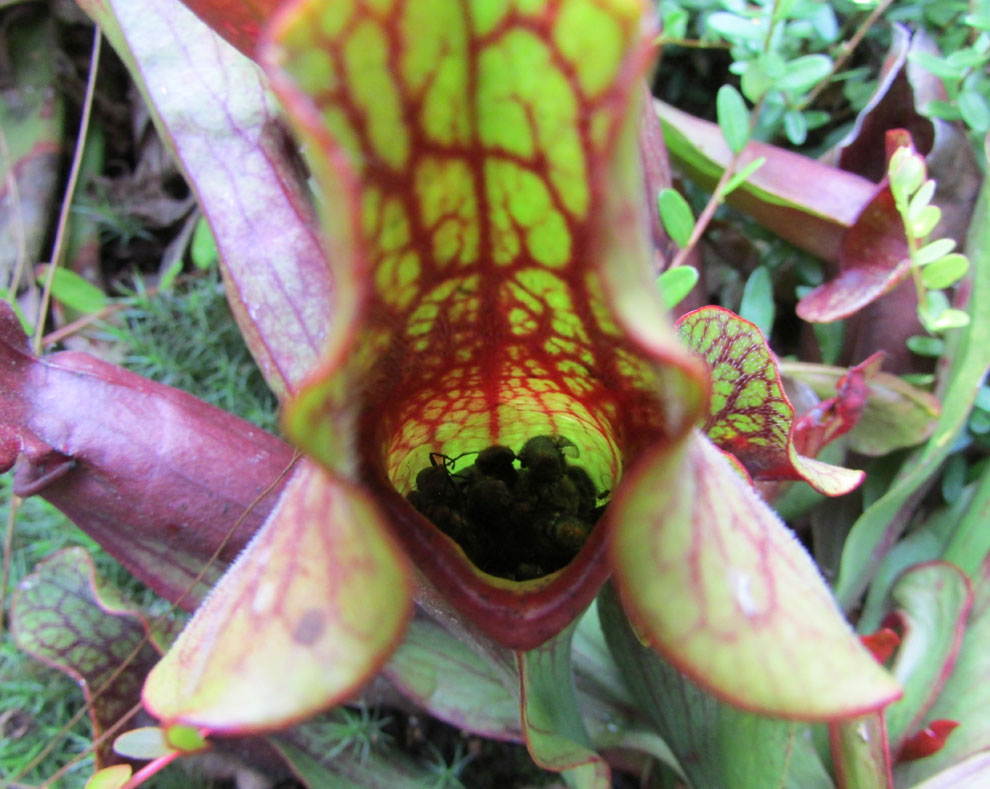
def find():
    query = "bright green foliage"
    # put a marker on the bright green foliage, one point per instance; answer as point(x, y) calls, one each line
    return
point(934, 265)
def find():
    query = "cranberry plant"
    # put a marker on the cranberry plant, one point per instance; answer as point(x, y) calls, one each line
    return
point(468, 262)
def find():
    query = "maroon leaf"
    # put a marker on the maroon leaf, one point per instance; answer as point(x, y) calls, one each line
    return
point(873, 260)
point(882, 643)
point(837, 415)
point(892, 106)
point(151, 473)
point(777, 195)
point(929, 740)
point(62, 617)
point(224, 129)
point(238, 21)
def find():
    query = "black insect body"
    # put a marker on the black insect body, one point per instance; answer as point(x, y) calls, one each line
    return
point(517, 516)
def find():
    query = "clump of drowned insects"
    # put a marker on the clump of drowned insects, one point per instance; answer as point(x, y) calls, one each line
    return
point(515, 515)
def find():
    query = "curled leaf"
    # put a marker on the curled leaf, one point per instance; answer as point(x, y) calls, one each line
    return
point(749, 414)
point(726, 594)
point(61, 616)
point(313, 606)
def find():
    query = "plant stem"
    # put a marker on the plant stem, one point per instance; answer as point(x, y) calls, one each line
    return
point(845, 52)
point(58, 248)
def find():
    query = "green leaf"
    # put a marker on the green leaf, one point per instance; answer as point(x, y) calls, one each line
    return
point(951, 319)
point(110, 777)
point(975, 110)
point(934, 303)
point(749, 413)
point(859, 752)
point(945, 271)
point(65, 617)
point(676, 283)
point(75, 292)
point(185, 739)
point(946, 110)
point(676, 215)
point(552, 724)
point(920, 200)
point(897, 415)
point(282, 636)
point(674, 24)
point(970, 540)
point(757, 300)
point(733, 117)
point(924, 345)
point(732, 26)
point(444, 676)
point(965, 696)
point(734, 589)
point(754, 80)
point(906, 171)
point(170, 275)
point(885, 519)
point(804, 73)
point(924, 223)
point(148, 742)
point(740, 177)
point(718, 746)
point(795, 127)
point(933, 251)
point(203, 247)
point(940, 67)
point(934, 600)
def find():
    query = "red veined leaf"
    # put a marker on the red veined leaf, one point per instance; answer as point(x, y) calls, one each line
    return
point(750, 417)
point(62, 616)
point(483, 205)
point(312, 607)
point(717, 584)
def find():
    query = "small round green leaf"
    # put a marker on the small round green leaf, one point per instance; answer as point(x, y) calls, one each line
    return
point(931, 307)
point(804, 73)
point(110, 777)
point(675, 24)
point(945, 271)
point(757, 300)
point(733, 117)
point(940, 67)
point(795, 127)
point(676, 283)
point(147, 742)
point(925, 223)
point(906, 171)
point(732, 27)
point(924, 345)
point(921, 199)
point(185, 739)
point(74, 292)
point(676, 216)
point(975, 110)
point(951, 319)
point(203, 247)
point(740, 178)
point(933, 251)
point(754, 80)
